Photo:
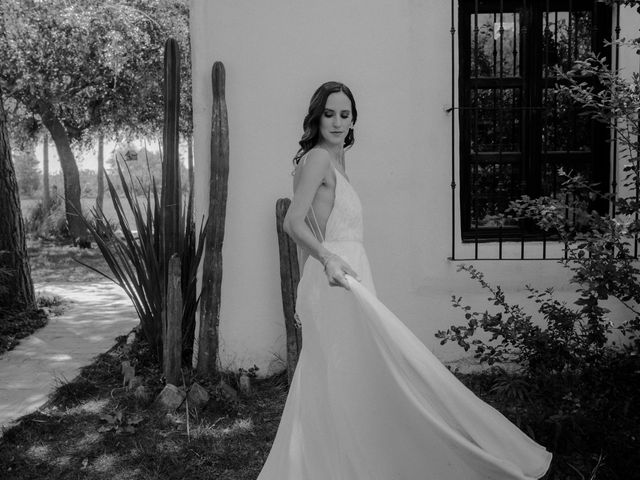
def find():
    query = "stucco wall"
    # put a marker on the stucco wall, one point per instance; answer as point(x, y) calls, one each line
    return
point(396, 57)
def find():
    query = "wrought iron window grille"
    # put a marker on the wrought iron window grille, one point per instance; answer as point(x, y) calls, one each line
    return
point(515, 131)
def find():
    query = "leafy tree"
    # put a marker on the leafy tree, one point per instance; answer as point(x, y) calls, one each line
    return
point(81, 68)
point(27, 173)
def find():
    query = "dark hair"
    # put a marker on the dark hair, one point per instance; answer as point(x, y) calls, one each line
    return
point(311, 123)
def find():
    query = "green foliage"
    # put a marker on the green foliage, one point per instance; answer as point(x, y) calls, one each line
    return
point(98, 62)
point(134, 256)
point(600, 247)
point(48, 224)
point(582, 390)
point(18, 324)
point(146, 167)
point(27, 173)
point(569, 341)
point(119, 423)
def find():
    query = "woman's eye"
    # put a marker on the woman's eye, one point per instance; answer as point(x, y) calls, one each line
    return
point(346, 115)
point(328, 114)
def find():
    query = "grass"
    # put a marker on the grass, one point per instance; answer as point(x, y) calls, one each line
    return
point(16, 325)
point(67, 438)
point(54, 262)
point(27, 204)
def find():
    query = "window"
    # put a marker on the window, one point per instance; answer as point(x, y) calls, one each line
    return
point(515, 132)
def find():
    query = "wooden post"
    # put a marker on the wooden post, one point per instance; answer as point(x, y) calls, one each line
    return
point(212, 275)
point(289, 278)
point(172, 324)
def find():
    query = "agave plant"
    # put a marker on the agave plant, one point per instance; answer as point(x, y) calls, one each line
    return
point(136, 261)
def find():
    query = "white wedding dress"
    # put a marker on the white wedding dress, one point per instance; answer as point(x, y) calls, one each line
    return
point(369, 401)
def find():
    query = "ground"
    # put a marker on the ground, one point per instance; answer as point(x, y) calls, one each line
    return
point(50, 263)
point(93, 428)
point(72, 436)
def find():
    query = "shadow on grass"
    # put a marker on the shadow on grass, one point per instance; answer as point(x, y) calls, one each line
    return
point(63, 439)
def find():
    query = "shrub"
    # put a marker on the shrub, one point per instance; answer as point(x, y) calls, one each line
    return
point(49, 224)
point(565, 343)
point(135, 257)
point(582, 390)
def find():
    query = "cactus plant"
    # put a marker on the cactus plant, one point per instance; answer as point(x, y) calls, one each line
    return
point(212, 275)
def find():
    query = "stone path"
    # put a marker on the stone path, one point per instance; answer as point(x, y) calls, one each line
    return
point(96, 314)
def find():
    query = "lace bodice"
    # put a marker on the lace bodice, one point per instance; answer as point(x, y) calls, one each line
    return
point(345, 220)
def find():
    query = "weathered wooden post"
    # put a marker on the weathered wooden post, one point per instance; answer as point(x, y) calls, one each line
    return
point(212, 275)
point(171, 325)
point(289, 278)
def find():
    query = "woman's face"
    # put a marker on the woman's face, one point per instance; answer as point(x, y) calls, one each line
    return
point(336, 119)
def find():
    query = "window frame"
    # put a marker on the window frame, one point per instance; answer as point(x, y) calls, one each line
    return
point(532, 84)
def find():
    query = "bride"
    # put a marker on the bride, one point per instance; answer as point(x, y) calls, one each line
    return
point(368, 400)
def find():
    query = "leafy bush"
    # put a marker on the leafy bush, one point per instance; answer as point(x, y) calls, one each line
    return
point(575, 392)
point(566, 343)
point(48, 224)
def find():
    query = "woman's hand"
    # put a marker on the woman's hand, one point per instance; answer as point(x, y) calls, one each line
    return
point(336, 268)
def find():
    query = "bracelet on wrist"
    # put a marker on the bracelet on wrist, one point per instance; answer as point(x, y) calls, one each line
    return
point(326, 259)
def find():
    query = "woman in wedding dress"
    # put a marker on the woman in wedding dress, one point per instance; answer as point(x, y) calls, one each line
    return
point(368, 400)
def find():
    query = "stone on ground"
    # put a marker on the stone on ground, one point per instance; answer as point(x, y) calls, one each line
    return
point(170, 398)
point(198, 397)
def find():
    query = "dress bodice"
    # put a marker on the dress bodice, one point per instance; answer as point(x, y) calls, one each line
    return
point(345, 220)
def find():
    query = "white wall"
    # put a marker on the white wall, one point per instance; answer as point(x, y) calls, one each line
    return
point(395, 55)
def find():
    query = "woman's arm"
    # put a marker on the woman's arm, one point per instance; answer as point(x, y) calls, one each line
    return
point(312, 175)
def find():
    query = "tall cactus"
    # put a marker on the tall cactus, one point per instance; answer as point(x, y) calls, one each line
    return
point(171, 161)
point(171, 318)
point(212, 276)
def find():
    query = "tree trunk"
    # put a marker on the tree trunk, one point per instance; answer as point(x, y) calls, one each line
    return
point(46, 198)
point(73, 207)
point(190, 163)
point(100, 197)
point(16, 286)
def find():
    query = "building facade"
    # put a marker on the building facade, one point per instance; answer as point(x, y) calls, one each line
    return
point(456, 115)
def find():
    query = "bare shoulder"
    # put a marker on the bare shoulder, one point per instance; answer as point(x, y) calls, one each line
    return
point(319, 158)
point(316, 164)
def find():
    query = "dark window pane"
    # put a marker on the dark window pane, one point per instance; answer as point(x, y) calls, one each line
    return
point(495, 47)
point(496, 120)
point(563, 128)
point(493, 185)
point(568, 38)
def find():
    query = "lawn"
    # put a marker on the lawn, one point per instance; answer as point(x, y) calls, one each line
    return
point(27, 204)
